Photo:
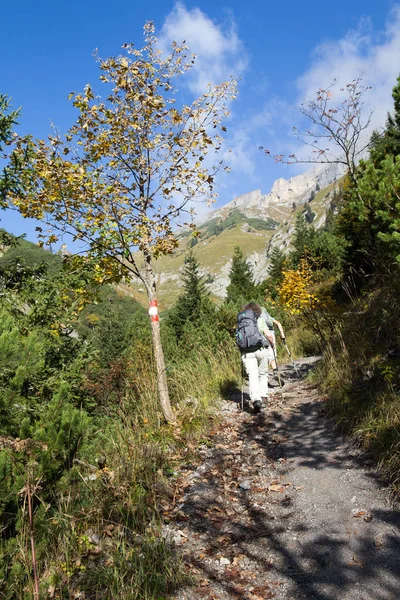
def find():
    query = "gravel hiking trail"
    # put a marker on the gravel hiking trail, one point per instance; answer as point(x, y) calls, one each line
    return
point(283, 507)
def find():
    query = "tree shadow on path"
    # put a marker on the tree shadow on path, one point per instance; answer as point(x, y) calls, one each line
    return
point(327, 534)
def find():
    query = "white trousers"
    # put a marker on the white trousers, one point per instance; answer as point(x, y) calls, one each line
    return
point(256, 365)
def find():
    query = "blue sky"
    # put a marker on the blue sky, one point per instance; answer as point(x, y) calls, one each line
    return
point(282, 51)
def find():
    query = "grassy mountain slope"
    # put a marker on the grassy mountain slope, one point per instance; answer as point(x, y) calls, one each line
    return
point(31, 254)
point(218, 236)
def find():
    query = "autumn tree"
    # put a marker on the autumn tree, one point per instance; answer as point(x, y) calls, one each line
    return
point(130, 169)
point(338, 128)
point(295, 290)
point(299, 296)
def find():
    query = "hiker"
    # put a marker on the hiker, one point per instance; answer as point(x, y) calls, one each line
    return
point(253, 339)
point(270, 321)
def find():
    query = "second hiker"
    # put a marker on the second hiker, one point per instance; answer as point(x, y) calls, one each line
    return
point(253, 339)
point(270, 322)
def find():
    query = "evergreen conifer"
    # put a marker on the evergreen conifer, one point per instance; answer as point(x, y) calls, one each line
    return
point(301, 239)
point(389, 142)
point(277, 262)
point(241, 285)
point(193, 303)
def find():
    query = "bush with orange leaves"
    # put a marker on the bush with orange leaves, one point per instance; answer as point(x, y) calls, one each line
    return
point(303, 296)
point(296, 289)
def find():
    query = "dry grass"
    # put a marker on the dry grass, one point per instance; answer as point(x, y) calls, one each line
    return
point(362, 380)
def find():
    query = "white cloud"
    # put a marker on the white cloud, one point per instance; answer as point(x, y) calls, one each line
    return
point(375, 56)
point(220, 55)
point(219, 51)
point(361, 53)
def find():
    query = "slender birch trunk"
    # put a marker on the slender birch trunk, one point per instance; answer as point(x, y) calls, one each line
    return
point(162, 384)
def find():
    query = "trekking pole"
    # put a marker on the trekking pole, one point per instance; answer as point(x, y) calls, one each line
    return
point(291, 358)
point(242, 400)
point(279, 375)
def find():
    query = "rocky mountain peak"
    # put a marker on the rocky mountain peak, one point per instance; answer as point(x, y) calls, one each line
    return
point(297, 189)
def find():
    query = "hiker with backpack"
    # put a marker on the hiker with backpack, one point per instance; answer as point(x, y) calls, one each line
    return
point(253, 339)
point(270, 322)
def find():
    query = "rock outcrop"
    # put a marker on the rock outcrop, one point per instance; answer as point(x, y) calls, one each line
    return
point(284, 192)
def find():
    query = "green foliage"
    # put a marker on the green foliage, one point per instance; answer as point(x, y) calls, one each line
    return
point(28, 254)
point(112, 323)
point(277, 263)
point(369, 216)
point(322, 249)
point(22, 359)
point(8, 118)
point(369, 211)
point(389, 141)
point(5, 480)
point(194, 304)
point(360, 373)
point(77, 398)
point(309, 215)
point(241, 286)
point(332, 212)
point(301, 340)
point(301, 239)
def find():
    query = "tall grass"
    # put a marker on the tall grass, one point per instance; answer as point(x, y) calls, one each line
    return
point(361, 376)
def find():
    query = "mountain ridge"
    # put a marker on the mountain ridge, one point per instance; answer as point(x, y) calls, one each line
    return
point(254, 221)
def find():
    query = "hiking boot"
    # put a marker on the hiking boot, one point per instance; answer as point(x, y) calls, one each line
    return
point(256, 406)
point(276, 376)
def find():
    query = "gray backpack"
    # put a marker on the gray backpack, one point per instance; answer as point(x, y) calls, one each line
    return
point(248, 337)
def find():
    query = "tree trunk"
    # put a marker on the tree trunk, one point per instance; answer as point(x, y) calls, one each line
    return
point(162, 384)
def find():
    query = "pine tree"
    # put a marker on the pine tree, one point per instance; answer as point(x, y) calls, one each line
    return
point(301, 239)
point(277, 262)
point(389, 143)
point(193, 303)
point(309, 214)
point(241, 286)
point(194, 287)
point(8, 177)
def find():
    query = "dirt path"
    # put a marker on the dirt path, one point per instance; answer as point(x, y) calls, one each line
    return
point(284, 508)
